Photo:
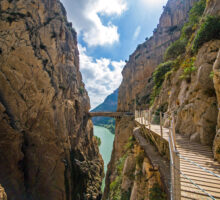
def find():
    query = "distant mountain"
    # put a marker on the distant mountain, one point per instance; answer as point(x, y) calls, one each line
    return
point(109, 104)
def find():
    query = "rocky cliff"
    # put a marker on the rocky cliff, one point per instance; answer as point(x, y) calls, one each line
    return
point(136, 89)
point(191, 87)
point(137, 72)
point(47, 148)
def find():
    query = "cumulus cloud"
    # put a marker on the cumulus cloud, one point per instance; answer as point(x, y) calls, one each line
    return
point(153, 4)
point(101, 76)
point(136, 33)
point(85, 16)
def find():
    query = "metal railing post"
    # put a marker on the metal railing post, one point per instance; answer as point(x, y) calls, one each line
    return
point(145, 117)
point(174, 164)
point(173, 130)
point(142, 117)
point(177, 187)
point(139, 115)
point(161, 125)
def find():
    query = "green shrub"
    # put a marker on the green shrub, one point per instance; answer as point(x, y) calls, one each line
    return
point(115, 186)
point(115, 191)
point(209, 30)
point(130, 143)
point(81, 90)
point(156, 193)
point(197, 11)
point(98, 140)
point(126, 195)
point(211, 75)
point(159, 77)
point(159, 73)
point(188, 68)
point(179, 47)
point(175, 49)
point(187, 31)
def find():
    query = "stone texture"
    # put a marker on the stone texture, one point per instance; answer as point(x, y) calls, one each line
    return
point(3, 195)
point(128, 170)
point(216, 69)
point(123, 132)
point(141, 64)
point(136, 82)
point(47, 149)
point(195, 137)
point(194, 101)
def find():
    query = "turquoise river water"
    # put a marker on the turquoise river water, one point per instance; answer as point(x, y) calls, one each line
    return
point(107, 139)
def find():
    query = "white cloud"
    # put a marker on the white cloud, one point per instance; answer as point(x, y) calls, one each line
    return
point(85, 16)
point(136, 33)
point(153, 4)
point(101, 76)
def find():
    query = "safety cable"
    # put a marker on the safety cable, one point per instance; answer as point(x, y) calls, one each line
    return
point(195, 184)
point(203, 168)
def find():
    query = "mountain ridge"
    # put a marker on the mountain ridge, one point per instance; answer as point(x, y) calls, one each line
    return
point(109, 104)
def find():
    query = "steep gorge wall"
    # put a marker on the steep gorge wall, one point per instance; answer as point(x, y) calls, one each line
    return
point(136, 78)
point(47, 148)
point(194, 97)
point(141, 64)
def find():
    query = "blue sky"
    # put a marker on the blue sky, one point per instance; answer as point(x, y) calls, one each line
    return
point(108, 32)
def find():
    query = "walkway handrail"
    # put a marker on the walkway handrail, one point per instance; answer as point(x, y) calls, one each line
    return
point(174, 163)
point(199, 166)
point(175, 191)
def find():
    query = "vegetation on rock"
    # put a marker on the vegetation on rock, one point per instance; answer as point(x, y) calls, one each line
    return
point(115, 187)
point(175, 49)
point(159, 76)
point(98, 140)
point(209, 30)
point(188, 68)
point(156, 193)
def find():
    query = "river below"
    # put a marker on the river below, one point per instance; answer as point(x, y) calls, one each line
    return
point(107, 139)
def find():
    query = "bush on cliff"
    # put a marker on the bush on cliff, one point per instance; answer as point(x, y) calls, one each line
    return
point(209, 30)
point(159, 77)
point(179, 47)
point(116, 191)
point(159, 73)
point(98, 139)
point(194, 18)
point(197, 11)
point(175, 49)
point(156, 193)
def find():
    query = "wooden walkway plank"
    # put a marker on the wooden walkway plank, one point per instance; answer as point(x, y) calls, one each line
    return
point(199, 154)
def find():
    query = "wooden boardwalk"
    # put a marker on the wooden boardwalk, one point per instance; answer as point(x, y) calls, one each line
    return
point(197, 167)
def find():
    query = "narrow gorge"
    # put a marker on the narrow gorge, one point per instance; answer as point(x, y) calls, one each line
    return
point(48, 148)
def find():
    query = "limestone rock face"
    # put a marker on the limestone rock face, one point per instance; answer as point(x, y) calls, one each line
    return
point(47, 149)
point(148, 55)
point(124, 129)
point(137, 73)
point(216, 69)
point(3, 195)
point(194, 101)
